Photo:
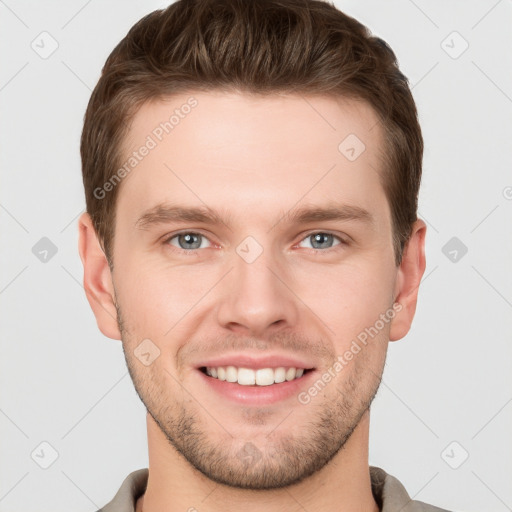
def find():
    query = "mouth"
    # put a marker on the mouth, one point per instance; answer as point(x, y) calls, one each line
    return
point(255, 377)
point(251, 379)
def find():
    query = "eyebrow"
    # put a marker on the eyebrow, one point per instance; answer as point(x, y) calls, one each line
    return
point(165, 213)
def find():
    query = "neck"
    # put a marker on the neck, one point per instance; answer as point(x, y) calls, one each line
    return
point(342, 485)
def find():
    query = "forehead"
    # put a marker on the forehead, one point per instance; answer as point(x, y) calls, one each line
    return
point(252, 151)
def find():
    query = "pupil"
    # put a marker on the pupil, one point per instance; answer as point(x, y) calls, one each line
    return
point(321, 237)
point(189, 239)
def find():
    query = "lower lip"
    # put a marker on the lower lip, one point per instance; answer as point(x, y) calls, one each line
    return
point(258, 395)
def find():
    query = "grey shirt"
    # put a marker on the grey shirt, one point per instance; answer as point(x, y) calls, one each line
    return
point(388, 492)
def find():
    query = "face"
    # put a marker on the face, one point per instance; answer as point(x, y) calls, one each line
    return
point(252, 253)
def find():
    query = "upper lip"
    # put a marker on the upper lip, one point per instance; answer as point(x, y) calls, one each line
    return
point(255, 362)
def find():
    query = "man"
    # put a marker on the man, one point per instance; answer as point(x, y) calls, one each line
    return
point(251, 171)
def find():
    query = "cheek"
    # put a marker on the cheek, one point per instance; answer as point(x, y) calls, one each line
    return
point(350, 298)
point(139, 296)
point(154, 298)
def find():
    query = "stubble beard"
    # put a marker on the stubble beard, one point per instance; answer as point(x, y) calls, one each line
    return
point(273, 461)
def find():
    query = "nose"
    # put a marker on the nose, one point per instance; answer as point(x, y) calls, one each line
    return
point(258, 296)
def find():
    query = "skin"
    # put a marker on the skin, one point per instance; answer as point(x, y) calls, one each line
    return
point(254, 158)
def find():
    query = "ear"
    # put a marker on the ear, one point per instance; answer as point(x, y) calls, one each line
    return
point(408, 280)
point(98, 285)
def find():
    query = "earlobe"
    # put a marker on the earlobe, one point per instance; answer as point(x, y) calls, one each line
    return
point(409, 276)
point(97, 278)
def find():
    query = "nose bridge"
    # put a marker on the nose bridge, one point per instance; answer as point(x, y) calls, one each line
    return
point(257, 297)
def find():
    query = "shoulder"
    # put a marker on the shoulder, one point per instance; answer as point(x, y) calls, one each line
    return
point(133, 486)
point(390, 494)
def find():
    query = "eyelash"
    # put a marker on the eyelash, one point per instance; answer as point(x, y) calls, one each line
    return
point(195, 252)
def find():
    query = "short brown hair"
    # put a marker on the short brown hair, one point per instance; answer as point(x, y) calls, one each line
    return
point(253, 46)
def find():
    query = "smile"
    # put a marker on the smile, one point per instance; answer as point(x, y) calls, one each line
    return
point(250, 377)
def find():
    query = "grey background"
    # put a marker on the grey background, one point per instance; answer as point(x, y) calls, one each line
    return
point(63, 383)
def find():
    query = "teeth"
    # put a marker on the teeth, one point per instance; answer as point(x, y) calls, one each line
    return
point(279, 375)
point(264, 376)
point(249, 377)
point(231, 374)
point(246, 377)
point(290, 373)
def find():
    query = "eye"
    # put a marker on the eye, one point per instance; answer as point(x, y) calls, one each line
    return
point(323, 240)
point(187, 241)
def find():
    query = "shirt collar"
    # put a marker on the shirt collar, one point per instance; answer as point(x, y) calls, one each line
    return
point(388, 492)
